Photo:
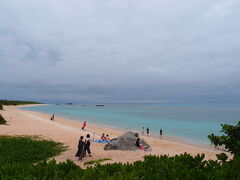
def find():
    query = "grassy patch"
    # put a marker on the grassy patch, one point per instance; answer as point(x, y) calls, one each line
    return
point(96, 161)
point(25, 149)
point(2, 120)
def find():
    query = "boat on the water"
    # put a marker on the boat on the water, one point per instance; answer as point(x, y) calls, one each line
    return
point(100, 105)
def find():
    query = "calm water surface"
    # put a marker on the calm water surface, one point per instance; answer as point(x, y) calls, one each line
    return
point(192, 122)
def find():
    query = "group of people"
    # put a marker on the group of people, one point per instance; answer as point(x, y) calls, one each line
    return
point(105, 138)
point(84, 144)
point(84, 147)
point(147, 131)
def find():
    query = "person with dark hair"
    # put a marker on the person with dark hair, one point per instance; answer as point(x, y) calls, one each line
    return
point(138, 142)
point(80, 152)
point(107, 138)
point(87, 145)
point(147, 131)
point(103, 138)
point(160, 132)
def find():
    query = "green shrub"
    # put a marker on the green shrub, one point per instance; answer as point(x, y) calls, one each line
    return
point(182, 166)
point(1, 107)
point(230, 141)
point(2, 120)
point(24, 149)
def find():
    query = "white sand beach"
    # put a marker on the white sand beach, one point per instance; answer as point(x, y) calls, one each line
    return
point(23, 122)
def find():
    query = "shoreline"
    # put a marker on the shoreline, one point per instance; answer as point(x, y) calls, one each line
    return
point(68, 131)
point(181, 140)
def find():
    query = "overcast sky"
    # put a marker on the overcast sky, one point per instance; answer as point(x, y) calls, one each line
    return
point(120, 50)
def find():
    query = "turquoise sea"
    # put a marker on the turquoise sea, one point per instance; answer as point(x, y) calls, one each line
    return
point(191, 122)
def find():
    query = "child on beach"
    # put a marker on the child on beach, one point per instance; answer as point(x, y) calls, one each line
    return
point(147, 131)
point(84, 125)
point(107, 138)
point(87, 145)
point(80, 152)
point(103, 138)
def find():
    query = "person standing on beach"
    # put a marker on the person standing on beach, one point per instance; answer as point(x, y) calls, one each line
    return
point(147, 131)
point(160, 132)
point(84, 125)
point(52, 118)
point(143, 131)
point(87, 145)
point(80, 152)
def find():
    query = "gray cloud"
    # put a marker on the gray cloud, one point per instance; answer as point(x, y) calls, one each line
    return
point(120, 51)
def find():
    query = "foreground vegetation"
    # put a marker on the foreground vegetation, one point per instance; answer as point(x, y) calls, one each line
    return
point(95, 162)
point(25, 149)
point(18, 155)
point(10, 102)
point(230, 141)
point(153, 167)
point(2, 120)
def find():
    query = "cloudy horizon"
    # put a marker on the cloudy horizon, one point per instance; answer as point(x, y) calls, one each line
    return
point(120, 51)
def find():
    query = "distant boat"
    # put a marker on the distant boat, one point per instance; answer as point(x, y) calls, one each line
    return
point(100, 105)
point(57, 104)
point(69, 103)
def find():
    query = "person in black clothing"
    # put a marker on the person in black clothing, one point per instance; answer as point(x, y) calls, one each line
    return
point(147, 131)
point(87, 145)
point(160, 132)
point(80, 152)
point(138, 142)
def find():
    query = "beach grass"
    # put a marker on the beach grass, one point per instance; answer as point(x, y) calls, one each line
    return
point(96, 161)
point(27, 149)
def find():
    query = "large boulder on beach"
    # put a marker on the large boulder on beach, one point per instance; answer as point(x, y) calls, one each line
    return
point(126, 142)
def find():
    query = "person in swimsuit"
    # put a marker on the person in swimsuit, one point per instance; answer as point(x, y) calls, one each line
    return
point(84, 125)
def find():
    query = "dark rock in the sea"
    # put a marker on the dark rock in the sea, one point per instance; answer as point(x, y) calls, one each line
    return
point(99, 104)
point(126, 142)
